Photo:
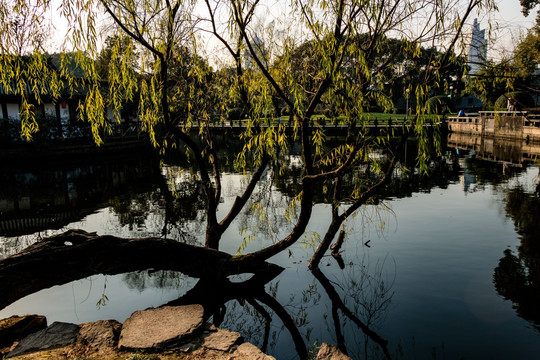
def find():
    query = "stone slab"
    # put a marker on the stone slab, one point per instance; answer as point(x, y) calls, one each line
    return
point(221, 340)
point(102, 333)
point(248, 351)
point(18, 327)
point(58, 334)
point(161, 328)
point(330, 352)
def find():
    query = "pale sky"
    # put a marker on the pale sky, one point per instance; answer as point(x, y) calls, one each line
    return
point(511, 24)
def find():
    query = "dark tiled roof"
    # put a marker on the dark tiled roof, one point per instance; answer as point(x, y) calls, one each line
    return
point(54, 63)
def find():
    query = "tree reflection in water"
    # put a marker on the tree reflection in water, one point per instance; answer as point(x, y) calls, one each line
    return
point(359, 296)
point(370, 297)
point(161, 279)
point(173, 206)
point(352, 301)
point(517, 277)
point(359, 299)
point(253, 309)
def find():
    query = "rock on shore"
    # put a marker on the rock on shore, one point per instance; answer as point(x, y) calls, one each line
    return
point(166, 330)
point(18, 327)
point(162, 328)
point(167, 333)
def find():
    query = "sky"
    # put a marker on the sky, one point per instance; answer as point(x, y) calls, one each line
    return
point(511, 24)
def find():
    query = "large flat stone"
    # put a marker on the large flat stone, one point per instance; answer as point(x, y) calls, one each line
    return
point(18, 327)
point(57, 335)
point(102, 333)
point(161, 328)
point(248, 351)
point(331, 352)
point(222, 340)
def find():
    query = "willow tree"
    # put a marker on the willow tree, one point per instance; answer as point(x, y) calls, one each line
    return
point(344, 66)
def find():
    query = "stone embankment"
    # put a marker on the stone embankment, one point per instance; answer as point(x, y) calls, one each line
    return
point(165, 333)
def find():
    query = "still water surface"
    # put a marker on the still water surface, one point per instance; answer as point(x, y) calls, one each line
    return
point(433, 269)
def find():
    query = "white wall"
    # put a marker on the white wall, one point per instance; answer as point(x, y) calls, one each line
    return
point(50, 110)
point(13, 112)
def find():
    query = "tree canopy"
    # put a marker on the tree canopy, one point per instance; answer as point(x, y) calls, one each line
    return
point(312, 55)
point(527, 52)
point(527, 6)
point(492, 81)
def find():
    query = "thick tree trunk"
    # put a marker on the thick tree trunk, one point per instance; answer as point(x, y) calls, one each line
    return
point(77, 254)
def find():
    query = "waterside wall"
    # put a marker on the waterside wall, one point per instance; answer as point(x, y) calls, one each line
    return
point(506, 124)
point(499, 149)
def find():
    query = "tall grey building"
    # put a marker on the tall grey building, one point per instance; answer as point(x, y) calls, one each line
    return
point(476, 48)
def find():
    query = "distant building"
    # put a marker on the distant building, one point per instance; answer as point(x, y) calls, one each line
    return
point(63, 109)
point(260, 51)
point(476, 47)
point(60, 113)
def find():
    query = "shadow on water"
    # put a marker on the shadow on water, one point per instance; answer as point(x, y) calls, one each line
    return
point(137, 189)
point(46, 266)
point(226, 301)
point(379, 299)
point(214, 295)
point(51, 195)
point(517, 276)
point(493, 162)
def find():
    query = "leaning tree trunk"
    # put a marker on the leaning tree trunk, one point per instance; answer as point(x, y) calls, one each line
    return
point(77, 254)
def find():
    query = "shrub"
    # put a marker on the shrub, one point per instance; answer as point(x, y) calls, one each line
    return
point(439, 104)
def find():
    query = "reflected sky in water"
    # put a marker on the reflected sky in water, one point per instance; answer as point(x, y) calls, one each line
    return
point(419, 266)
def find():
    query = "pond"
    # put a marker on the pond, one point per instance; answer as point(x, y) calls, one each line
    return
point(445, 267)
